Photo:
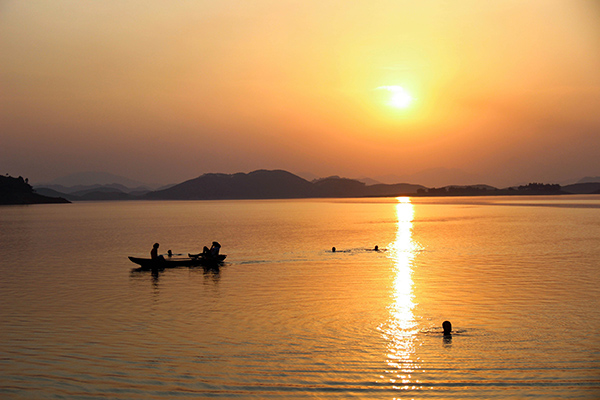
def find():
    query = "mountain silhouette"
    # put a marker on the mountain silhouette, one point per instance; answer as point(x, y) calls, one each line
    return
point(96, 178)
point(589, 179)
point(583, 188)
point(279, 184)
point(276, 184)
point(261, 184)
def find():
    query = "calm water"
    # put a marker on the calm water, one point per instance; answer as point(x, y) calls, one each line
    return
point(287, 318)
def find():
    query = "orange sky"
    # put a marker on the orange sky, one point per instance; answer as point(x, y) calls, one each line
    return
point(162, 91)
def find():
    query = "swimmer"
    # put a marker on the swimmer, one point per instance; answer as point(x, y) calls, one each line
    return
point(447, 326)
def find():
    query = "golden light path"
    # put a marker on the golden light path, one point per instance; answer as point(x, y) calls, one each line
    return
point(401, 328)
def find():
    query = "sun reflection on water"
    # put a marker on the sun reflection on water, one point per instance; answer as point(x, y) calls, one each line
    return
point(401, 328)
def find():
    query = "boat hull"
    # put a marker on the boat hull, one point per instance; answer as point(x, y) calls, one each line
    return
point(172, 262)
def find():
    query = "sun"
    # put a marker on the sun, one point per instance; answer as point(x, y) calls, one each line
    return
point(399, 98)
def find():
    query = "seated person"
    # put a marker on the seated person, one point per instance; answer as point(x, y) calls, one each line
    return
point(214, 249)
point(154, 253)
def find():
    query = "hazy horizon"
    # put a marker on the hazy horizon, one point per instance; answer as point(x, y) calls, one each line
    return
point(431, 178)
point(162, 92)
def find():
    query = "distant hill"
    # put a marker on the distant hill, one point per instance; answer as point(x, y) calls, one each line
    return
point(368, 181)
point(261, 184)
point(309, 176)
point(589, 179)
point(339, 187)
point(91, 178)
point(583, 188)
point(18, 191)
point(277, 184)
point(116, 187)
point(98, 193)
point(94, 186)
point(52, 193)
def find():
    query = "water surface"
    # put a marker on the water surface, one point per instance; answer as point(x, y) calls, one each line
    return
point(286, 317)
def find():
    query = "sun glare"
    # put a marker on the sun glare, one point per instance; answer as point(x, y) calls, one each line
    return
point(402, 327)
point(399, 98)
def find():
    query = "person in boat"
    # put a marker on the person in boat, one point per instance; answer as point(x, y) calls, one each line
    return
point(214, 249)
point(169, 253)
point(447, 327)
point(333, 249)
point(209, 253)
point(154, 253)
point(376, 248)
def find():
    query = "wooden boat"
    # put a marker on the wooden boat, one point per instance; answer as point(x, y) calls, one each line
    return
point(172, 262)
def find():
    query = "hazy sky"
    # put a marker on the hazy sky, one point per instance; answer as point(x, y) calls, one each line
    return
point(164, 91)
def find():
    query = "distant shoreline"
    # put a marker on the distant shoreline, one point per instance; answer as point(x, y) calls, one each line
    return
point(17, 191)
point(270, 184)
point(412, 195)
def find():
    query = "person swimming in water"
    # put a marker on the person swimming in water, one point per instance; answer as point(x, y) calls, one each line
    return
point(447, 327)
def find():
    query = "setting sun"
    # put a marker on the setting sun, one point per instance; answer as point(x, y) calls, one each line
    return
point(399, 98)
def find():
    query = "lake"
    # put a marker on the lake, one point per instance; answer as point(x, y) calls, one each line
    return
point(287, 318)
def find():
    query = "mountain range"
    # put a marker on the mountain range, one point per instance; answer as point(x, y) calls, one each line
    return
point(279, 184)
point(261, 184)
point(88, 178)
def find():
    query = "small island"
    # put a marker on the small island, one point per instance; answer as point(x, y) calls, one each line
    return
point(19, 191)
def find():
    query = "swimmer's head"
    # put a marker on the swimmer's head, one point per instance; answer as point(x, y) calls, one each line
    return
point(447, 326)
